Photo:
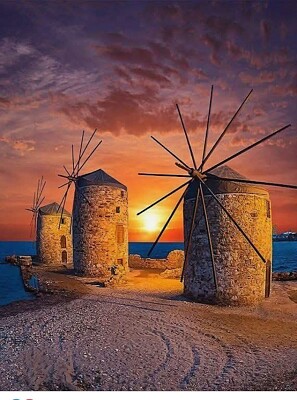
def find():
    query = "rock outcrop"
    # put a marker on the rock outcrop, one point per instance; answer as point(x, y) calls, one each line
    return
point(171, 266)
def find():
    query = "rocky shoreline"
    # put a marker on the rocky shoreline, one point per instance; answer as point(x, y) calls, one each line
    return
point(284, 276)
point(169, 268)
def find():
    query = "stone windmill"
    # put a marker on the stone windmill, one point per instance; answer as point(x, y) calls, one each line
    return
point(53, 245)
point(227, 226)
point(37, 201)
point(53, 240)
point(100, 218)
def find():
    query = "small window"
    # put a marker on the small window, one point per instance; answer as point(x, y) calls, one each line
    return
point(63, 221)
point(63, 242)
point(122, 193)
point(120, 234)
point(268, 209)
point(118, 209)
point(120, 261)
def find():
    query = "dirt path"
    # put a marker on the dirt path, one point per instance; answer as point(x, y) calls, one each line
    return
point(145, 336)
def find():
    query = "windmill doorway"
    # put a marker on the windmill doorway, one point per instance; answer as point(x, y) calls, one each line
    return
point(64, 256)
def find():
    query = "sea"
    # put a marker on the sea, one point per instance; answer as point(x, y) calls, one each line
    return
point(12, 287)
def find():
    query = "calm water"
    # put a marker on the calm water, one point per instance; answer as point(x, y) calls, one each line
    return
point(12, 289)
point(284, 253)
point(11, 283)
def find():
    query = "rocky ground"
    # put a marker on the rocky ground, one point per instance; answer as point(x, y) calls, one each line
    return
point(145, 336)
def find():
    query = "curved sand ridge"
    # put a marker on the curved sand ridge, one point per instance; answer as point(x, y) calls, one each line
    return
point(149, 339)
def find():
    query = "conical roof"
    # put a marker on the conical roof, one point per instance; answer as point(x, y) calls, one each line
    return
point(224, 171)
point(220, 186)
point(53, 209)
point(99, 178)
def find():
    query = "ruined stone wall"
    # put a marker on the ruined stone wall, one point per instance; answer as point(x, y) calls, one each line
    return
point(241, 274)
point(48, 242)
point(174, 260)
point(100, 229)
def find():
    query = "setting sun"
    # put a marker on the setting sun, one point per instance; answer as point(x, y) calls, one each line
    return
point(151, 222)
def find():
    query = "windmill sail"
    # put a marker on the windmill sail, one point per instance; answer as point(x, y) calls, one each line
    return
point(77, 166)
point(203, 177)
point(38, 199)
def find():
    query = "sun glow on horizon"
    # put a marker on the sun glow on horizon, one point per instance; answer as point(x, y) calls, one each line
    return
point(147, 226)
point(151, 222)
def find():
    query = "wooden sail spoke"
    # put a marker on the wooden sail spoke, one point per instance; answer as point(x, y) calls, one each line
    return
point(37, 201)
point(40, 193)
point(245, 243)
point(40, 187)
point(37, 191)
point(170, 152)
point(34, 197)
point(187, 137)
point(89, 156)
point(64, 184)
point(169, 175)
point(183, 167)
point(70, 179)
point(283, 185)
point(233, 220)
point(164, 197)
point(60, 204)
point(80, 194)
point(80, 149)
point(31, 225)
point(62, 210)
point(189, 242)
point(167, 222)
point(72, 157)
point(35, 223)
point(60, 207)
point(247, 148)
point(207, 128)
point(67, 172)
point(209, 239)
point(224, 132)
point(71, 219)
point(76, 168)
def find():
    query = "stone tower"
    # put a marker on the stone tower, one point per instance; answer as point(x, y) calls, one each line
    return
point(54, 245)
point(100, 224)
point(242, 277)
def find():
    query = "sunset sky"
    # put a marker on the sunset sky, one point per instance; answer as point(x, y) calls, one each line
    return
point(120, 67)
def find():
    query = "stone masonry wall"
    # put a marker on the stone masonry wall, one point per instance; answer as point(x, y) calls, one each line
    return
point(241, 274)
point(48, 241)
point(174, 260)
point(97, 228)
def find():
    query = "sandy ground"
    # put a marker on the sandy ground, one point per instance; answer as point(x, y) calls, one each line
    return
point(146, 336)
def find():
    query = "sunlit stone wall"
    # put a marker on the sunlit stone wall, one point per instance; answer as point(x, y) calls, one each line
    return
point(243, 278)
point(100, 229)
point(49, 242)
point(174, 260)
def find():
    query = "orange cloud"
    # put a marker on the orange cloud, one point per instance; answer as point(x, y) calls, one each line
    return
point(122, 69)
